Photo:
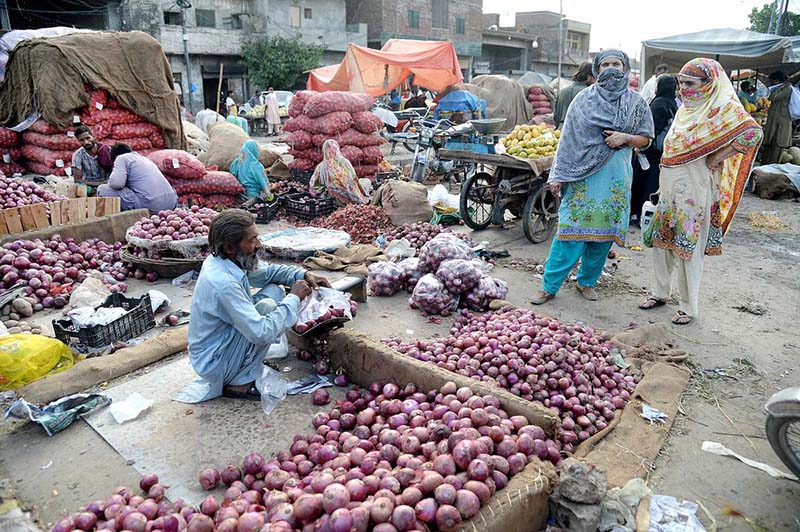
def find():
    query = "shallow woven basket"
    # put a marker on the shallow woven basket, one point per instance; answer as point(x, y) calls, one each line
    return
point(163, 267)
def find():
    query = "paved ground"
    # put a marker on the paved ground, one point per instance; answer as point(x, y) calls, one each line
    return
point(754, 353)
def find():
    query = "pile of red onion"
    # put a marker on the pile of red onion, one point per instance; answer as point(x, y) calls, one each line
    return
point(16, 192)
point(568, 368)
point(51, 268)
point(175, 225)
point(385, 278)
point(362, 222)
point(389, 459)
point(420, 233)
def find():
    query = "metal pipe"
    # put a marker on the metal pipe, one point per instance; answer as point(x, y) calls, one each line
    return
point(560, 38)
point(188, 66)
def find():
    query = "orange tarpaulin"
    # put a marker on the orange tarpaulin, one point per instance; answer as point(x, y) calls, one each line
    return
point(434, 65)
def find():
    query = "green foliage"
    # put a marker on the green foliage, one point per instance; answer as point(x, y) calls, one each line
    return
point(279, 62)
point(759, 21)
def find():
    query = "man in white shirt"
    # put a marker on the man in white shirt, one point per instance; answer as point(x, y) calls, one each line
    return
point(649, 89)
point(230, 104)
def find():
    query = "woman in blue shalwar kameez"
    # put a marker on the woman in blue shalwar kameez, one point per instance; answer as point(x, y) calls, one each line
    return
point(592, 173)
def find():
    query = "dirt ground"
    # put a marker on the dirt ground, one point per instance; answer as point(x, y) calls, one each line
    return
point(744, 347)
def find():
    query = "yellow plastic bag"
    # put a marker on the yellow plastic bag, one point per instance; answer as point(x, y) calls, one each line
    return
point(25, 358)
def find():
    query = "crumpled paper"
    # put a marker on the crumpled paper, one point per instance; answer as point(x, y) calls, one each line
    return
point(130, 408)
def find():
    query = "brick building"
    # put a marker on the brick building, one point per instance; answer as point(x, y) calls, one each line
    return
point(458, 21)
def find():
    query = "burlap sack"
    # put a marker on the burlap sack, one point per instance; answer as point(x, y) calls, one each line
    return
point(504, 98)
point(404, 202)
point(225, 143)
point(773, 185)
point(267, 155)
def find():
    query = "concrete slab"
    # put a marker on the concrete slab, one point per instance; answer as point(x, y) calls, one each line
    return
point(176, 440)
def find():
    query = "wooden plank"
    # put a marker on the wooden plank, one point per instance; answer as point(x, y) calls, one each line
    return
point(80, 207)
point(100, 209)
point(40, 220)
point(72, 206)
point(64, 212)
point(80, 191)
point(115, 207)
point(13, 220)
point(55, 213)
point(26, 217)
point(3, 228)
point(91, 207)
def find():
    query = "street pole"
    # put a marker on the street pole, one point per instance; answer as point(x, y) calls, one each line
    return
point(560, 38)
point(185, 5)
point(4, 22)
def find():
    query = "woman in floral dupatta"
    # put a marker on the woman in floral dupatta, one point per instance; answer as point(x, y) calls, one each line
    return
point(592, 173)
point(708, 155)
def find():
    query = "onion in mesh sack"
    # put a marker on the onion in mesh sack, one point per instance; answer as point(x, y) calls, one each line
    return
point(459, 275)
point(431, 296)
point(487, 289)
point(410, 273)
point(442, 247)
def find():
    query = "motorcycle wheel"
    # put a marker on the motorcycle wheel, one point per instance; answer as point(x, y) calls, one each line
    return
point(406, 145)
point(418, 172)
point(783, 434)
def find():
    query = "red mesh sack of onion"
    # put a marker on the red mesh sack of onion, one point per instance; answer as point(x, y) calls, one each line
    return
point(459, 275)
point(487, 289)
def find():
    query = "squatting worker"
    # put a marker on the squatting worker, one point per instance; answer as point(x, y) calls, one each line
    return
point(231, 329)
point(91, 163)
point(592, 173)
point(138, 182)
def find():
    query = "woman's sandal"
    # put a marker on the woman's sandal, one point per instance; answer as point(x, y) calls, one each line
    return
point(651, 303)
point(681, 318)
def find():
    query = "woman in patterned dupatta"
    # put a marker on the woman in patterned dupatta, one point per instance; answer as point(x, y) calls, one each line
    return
point(593, 173)
point(708, 155)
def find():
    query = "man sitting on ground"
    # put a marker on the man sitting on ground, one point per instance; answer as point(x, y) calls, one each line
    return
point(231, 329)
point(91, 163)
point(138, 182)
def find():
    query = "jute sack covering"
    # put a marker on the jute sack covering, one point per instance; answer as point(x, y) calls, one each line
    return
point(629, 445)
point(504, 98)
point(267, 155)
point(225, 143)
point(404, 202)
point(52, 74)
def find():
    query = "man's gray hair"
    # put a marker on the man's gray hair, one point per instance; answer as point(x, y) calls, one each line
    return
point(228, 228)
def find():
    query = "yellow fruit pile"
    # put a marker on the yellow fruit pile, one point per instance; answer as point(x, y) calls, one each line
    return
point(749, 107)
point(532, 141)
point(763, 102)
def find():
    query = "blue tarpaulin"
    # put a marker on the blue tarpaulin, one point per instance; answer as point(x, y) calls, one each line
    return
point(460, 101)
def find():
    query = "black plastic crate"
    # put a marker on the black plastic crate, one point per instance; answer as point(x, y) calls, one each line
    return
point(138, 320)
point(308, 207)
point(302, 176)
point(267, 211)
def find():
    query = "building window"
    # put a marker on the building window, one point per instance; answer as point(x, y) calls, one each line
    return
point(205, 18)
point(573, 42)
point(172, 18)
point(233, 22)
point(294, 16)
point(439, 13)
point(461, 26)
point(307, 13)
point(413, 18)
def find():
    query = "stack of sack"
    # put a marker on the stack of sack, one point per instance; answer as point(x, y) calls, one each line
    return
point(10, 152)
point(48, 148)
point(194, 183)
point(342, 116)
point(540, 101)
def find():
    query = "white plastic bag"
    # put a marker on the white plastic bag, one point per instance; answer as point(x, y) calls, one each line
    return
point(90, 293)
point(320, 301)
point(279, 349)
point(130, 408)
point(272, 388)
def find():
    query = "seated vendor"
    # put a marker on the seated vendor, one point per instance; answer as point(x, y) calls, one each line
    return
point(91, 163)
point(231, 329)
point(138, 182)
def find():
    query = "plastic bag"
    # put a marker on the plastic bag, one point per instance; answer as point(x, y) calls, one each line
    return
point(25, 358)
point(487, 290)
point(130, 408)
point(320, 302)
point(400, 249)
point(273, 389)
point(385, 278)
point(59, 414)
point(442, 247)
point(411, 273)
point(90, 293)
point(431, 296)
point(668, 514)
point(459, 275)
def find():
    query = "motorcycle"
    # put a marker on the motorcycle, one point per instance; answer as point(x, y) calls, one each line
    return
point(783, 427)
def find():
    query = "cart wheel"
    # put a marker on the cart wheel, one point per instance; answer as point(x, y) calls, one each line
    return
point(540, 216)
point(477, 199)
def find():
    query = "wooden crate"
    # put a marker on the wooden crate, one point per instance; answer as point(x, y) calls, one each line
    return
point(71, 190)
point(42, 215)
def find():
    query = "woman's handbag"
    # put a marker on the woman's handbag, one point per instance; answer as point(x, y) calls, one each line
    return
point(658, 142)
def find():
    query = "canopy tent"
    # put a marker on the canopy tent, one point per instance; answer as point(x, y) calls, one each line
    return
point(734, 49)
point(434, 65)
